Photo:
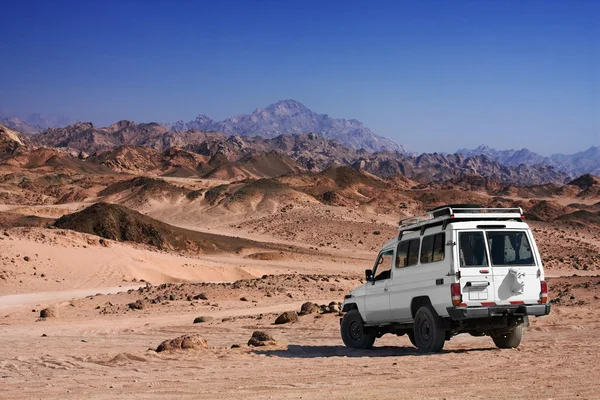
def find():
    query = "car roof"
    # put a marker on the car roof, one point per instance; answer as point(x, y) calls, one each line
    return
point(392, 243)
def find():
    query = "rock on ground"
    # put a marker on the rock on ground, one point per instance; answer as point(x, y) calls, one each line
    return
point(201, 319)
point(184, 342)
point(260, 338)
point(137, 305)
point(309, 308)
point(49, 313)
point(286, 317)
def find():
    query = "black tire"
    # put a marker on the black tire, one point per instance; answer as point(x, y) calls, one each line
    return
point(353, 331)
point(429, 331)
point(508, 340)
point(411, 337)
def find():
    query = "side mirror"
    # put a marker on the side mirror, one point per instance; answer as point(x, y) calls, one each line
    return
point(369, 275)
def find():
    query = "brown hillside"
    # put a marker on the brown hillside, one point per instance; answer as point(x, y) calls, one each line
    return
point(119, 223)
point(9, 142)
point(269, 165)
point(546, 210)
point(346, 177)
point(581, 217)
point(140, 190)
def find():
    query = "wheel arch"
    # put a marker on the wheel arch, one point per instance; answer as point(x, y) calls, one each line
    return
point(355, 305)
point(418, 302)
point(349, 306)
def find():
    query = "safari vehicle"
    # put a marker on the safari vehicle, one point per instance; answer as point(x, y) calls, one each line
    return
point(455, 269)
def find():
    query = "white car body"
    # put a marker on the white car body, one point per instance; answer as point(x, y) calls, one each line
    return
point(491, 255)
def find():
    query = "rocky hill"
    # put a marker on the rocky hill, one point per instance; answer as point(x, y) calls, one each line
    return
point(84, 136)
point(10, 142)
point(115, 222)
point(289, 117)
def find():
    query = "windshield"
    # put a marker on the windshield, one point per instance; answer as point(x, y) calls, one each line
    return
point(509, 248)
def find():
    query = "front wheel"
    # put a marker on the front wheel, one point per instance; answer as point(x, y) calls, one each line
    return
point(429, 331)
point(508, 340)
point(353, 331)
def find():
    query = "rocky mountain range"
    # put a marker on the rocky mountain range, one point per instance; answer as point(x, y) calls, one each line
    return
point(583, 162)
point(33, 122)
point(151, 148)
point(289, 117)
point(508, 157)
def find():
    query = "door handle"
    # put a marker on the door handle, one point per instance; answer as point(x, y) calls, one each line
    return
point(478, 284)
point(385, 289)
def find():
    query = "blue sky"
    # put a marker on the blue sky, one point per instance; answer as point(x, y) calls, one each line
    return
point(432, 75)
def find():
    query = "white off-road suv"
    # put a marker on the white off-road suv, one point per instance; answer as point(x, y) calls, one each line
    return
point(452, 270)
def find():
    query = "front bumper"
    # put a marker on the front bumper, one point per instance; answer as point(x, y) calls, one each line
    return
point(462, 313)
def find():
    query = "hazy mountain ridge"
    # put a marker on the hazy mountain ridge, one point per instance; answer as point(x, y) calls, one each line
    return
point(580, 163)
point(150, 148)
point(508, 157)
point(583, 162)
point(33, 122)
point(289, 117)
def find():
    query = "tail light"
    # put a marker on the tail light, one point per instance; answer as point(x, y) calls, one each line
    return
point(543, 292)
point(456, 294)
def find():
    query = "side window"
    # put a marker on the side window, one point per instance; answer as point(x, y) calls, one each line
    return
point(413, 252)
point(427, 249)
point(439, 247)
point(433, 248)
point(408, 253)
point(402, 254)
point(383, 268)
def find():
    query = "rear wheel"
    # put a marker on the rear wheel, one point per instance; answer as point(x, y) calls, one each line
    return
point(353, 331)
point(508, 340)
point(429, 332)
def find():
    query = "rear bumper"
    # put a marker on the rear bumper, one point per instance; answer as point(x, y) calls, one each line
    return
point(461, 313)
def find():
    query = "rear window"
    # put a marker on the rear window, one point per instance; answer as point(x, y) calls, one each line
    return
point(509, 248)
point(472, 249)
point(432, 248)
point(408, 253)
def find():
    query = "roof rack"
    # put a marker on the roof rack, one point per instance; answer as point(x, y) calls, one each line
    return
point(441, 214)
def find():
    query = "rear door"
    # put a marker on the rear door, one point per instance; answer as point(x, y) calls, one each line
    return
point(514, 266)
point(476, 278)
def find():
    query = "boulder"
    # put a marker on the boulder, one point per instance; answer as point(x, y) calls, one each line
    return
point(309, 308)
point(49, 313)
point(286, 317)
point(137, 305)
point(201, 319)
point(184, 342)
point(334, 307)
point(260, 338)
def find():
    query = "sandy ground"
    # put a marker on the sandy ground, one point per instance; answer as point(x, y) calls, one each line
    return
point(112, 356)
point(100, 348)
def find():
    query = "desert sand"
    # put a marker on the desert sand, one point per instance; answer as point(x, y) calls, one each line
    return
point(115, 301)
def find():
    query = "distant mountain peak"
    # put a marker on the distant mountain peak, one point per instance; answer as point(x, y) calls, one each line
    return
point(287, 106)
point(290, 117)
